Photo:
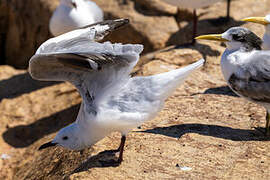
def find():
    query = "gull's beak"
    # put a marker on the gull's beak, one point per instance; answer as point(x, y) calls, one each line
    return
point(48, 144)
point(259, 20)
point(213, 37)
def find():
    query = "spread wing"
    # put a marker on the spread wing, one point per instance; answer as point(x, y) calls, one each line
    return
point(253, 78)
point(92, 73)
point(92, 67)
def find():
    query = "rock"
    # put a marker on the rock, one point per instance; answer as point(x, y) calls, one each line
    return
point(23, 30)
point(25, 27)
point(156, 67)
point(198, 115)
point(179, 57)
point(145, 29)
point(203, 125)
point(155, 7)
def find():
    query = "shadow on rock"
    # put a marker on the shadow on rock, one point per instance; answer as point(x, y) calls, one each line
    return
point(101, 160)
point(144, 9)
point(206, 26)
point(25, 135)
point(204, 49)
point(223, 90)
point(177, 131)
point(20, 84)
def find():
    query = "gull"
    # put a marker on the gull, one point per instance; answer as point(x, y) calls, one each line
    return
point(266, 22)
point(112, 100)
point(246, 67)
point(73, 14)
point(195, 4)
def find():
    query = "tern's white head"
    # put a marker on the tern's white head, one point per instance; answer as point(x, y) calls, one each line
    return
point(266, 22)
point(68, 137)
point(237, 38)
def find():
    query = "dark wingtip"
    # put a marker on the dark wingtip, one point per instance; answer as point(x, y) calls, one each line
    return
point(48, 144)
point(114, 24)
point(120, 22)
point(124, 21)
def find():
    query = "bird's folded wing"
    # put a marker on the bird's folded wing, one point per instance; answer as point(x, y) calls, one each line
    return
point(91, 72)
point(253, 78)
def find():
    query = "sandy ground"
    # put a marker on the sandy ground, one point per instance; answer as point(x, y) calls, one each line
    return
point(204, 131)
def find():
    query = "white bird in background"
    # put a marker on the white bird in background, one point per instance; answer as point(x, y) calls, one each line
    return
point(246, 67)
point(74, 14)
point(195, 4)
point(266, 22)
point(112, 100)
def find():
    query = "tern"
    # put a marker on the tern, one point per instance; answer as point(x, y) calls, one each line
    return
point(73, 14)
point(195, 4)
point(266, 22)
point(245, 66)
point(112, 100)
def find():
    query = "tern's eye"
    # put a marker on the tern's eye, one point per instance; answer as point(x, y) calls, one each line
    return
point(237, 37)
point(65, 138)
point(74, 5)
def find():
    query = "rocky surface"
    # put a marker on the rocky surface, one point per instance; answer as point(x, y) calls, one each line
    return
point(24, 25)
point(204, 131)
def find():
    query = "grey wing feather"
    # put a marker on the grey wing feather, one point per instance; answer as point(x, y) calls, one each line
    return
point(80, 38)
point(92, 73)
point(62, 66)
point(253, 79)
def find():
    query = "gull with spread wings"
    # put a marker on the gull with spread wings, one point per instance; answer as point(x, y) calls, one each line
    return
point(112, 100)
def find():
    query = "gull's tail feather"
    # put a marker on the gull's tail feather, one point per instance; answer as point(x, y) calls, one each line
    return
point(167, 82)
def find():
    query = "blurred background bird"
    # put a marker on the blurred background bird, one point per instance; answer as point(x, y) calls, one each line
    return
point(195, 4)
point(266, 22)
point(246, 67)
point(73, 14)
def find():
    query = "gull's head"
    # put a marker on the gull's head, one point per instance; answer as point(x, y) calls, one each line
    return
point(236, 38)
point(68, 137)
point(69, 3)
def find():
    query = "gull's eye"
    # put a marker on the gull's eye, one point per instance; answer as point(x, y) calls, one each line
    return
point(65, 138)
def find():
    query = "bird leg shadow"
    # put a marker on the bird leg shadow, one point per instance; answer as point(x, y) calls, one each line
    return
point(103, 159)
point(111, 159)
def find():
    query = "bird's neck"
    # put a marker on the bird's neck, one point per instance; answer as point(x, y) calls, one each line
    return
point(89, 126)
point(267, 30)
point(266, 40)
point(229, 62)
